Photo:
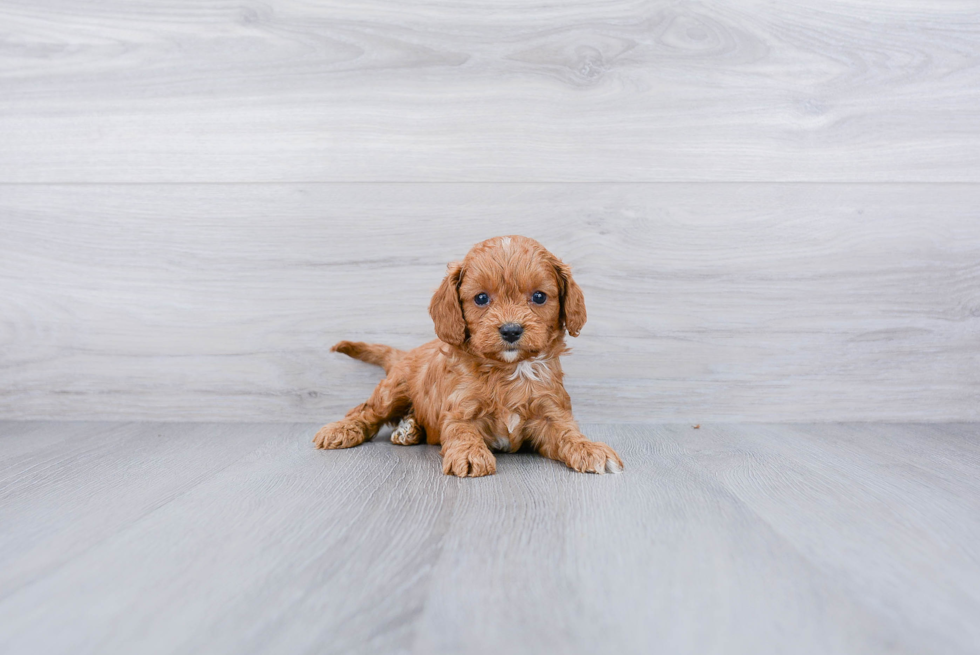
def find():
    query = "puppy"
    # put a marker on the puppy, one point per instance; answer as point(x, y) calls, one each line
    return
point(492, 379)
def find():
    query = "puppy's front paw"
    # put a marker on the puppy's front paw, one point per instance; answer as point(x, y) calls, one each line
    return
point(342, 434)
point(468, 460)
point(592, 457)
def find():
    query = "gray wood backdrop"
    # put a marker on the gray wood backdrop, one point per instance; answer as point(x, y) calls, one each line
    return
point(773, 208)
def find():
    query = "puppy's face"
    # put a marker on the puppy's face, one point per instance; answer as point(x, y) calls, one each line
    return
point(508, 300)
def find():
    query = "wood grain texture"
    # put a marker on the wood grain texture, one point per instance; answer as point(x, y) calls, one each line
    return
point(722, 302)
point(854, 538)
point(121, 472)
point(509, 90)
point(214, 247)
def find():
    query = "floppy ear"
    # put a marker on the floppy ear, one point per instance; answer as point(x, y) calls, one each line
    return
point(445, 310)
point(571, 298)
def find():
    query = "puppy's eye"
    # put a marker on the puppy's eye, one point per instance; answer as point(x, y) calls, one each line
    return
point(482, 299)
point(539, 297)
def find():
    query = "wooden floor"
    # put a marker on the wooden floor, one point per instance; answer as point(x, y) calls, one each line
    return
point(224, 538)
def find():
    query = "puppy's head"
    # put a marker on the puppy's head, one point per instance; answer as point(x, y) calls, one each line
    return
point(508, 299)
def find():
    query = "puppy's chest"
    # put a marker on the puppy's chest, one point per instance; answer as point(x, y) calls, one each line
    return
point(505, 427)
point(507, 415)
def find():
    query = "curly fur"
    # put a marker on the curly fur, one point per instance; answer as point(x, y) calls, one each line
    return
point(469, 390)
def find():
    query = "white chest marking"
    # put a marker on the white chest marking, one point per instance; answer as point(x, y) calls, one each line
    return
point(513, 422)
point(532, 370)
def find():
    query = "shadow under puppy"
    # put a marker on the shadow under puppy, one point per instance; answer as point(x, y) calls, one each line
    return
point(493, 378)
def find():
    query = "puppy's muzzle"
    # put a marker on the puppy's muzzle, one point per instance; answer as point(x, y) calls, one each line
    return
point(511, 332)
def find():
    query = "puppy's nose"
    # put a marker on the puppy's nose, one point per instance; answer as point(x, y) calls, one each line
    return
point(511, 332)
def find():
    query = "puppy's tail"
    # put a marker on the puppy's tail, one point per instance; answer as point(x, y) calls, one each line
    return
point(372, 353)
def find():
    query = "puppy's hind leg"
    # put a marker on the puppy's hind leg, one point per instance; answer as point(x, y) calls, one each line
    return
point(389, 400)
point(408, 432)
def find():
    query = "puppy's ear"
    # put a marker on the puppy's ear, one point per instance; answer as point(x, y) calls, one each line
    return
point(572, 300)
point(445, 310)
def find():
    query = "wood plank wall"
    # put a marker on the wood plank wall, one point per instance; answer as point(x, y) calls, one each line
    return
point(773, 208)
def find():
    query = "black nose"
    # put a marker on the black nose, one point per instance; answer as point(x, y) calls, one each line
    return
point(511, 332)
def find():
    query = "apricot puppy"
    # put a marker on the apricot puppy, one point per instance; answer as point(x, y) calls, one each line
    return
point(493, 378)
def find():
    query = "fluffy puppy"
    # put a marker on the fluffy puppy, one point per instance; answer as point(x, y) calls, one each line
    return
point(492, 379)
